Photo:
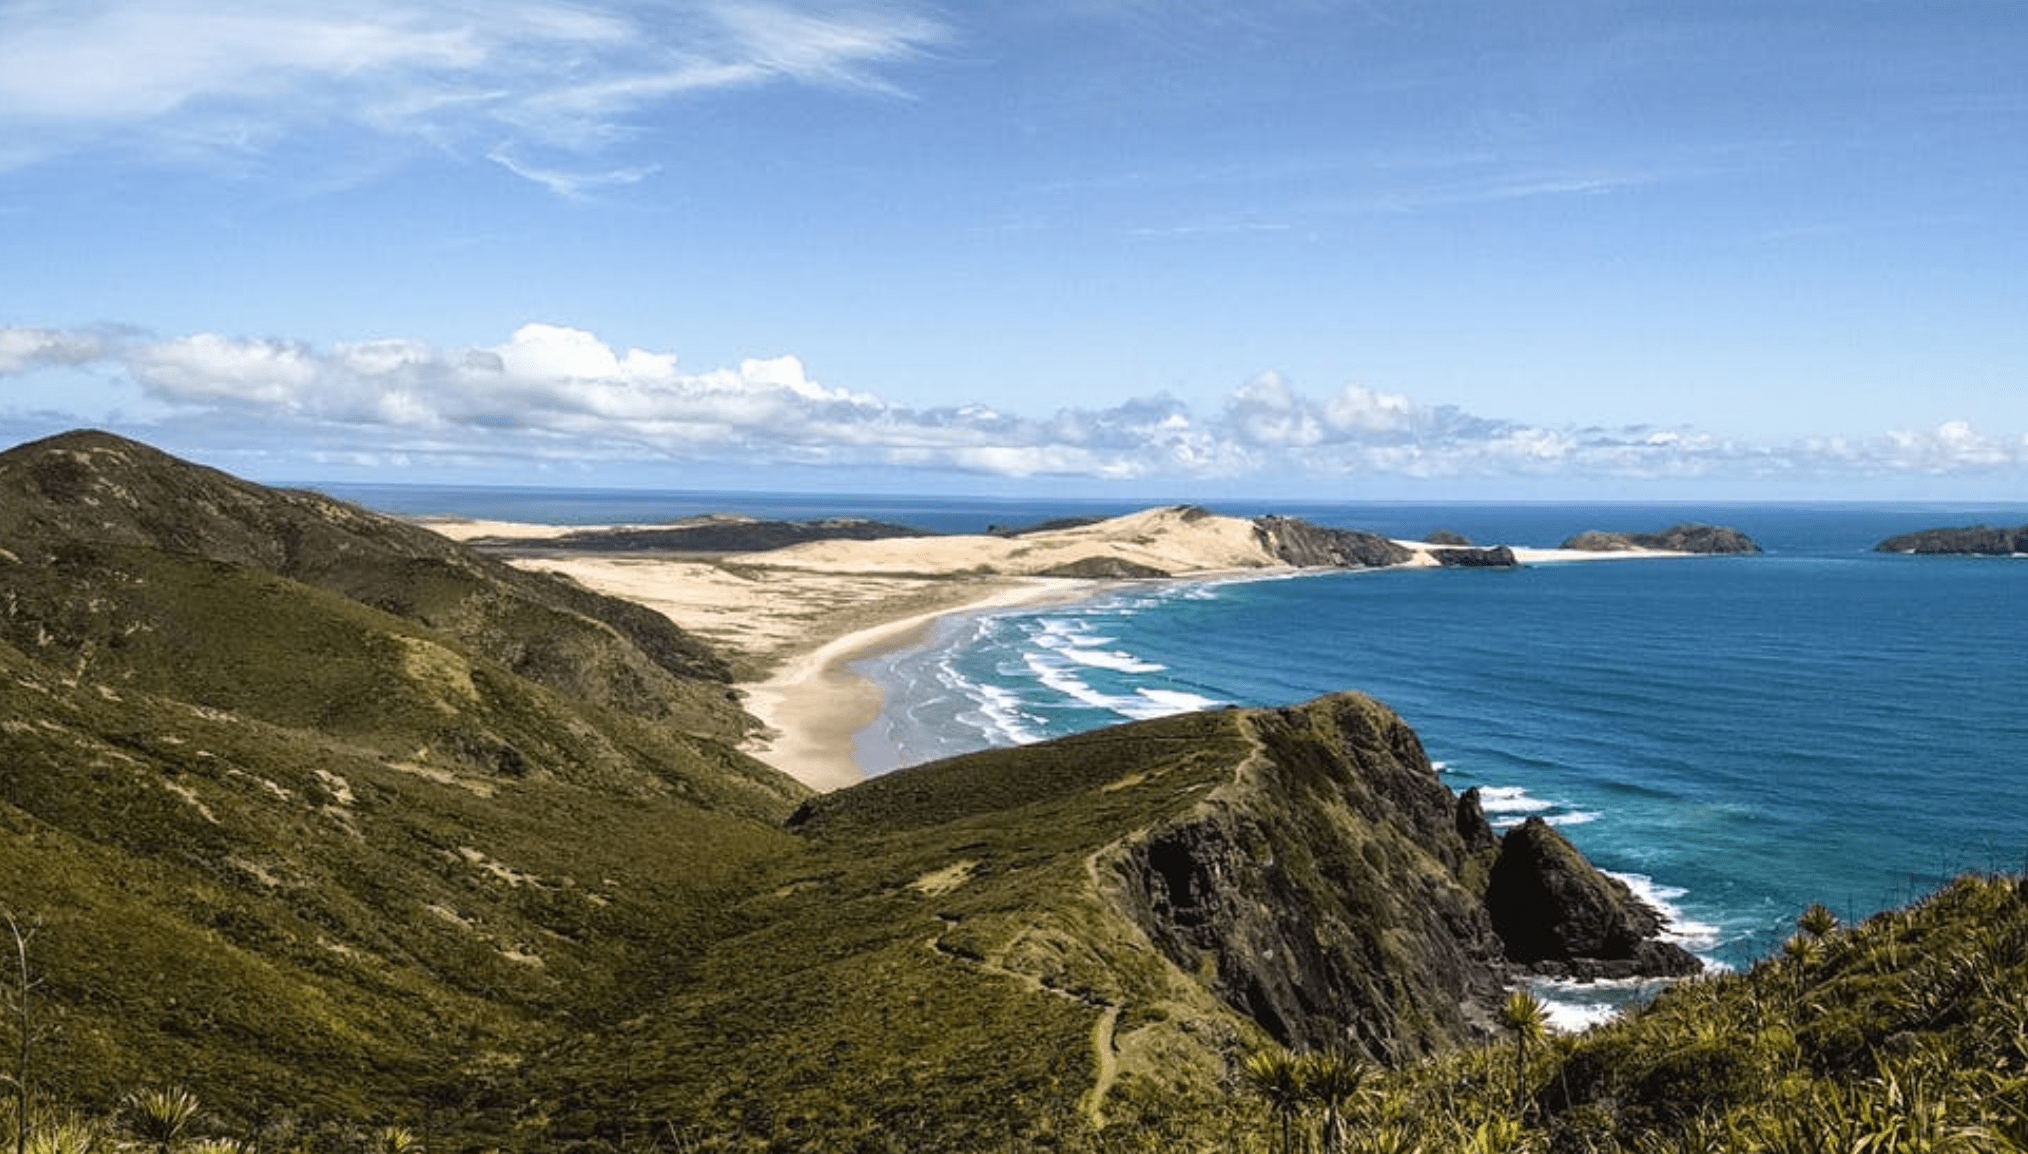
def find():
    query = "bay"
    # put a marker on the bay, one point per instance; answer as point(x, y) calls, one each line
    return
point(1738, 736)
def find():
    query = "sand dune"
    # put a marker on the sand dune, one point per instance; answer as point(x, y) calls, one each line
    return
point(792, 620)
point(1176, 541)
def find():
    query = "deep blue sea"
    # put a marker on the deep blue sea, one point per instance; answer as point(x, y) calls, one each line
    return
point(1737, 736)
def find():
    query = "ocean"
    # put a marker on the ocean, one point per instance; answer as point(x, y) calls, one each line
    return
point(1737, 737)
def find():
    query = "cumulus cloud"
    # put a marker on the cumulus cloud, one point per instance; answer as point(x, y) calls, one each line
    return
point(498, 80)
point(207, 369)
point(553, 393)
point(1953, 446)
point(24, 349)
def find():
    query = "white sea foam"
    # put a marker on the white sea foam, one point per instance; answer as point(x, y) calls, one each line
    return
point(1001, 716)
point(1173, 701)
point(1691, 935)
point(1507, 806)
point(1056, 671)
point(1573, 1016)
point(1505, 799)
point(1111, 659)
point(1573, 1006)
point(1057, 677)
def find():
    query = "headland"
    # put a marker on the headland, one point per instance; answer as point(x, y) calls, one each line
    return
point(793, 619)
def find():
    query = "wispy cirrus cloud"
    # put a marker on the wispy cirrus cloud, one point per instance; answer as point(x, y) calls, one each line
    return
point(195, 75)
point(552, 394)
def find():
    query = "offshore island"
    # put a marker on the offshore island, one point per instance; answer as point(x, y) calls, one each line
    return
point(321, 830)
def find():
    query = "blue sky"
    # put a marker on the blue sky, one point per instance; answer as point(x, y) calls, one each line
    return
point(1372, 248)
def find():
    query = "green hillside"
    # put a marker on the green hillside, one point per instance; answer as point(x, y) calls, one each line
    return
point(366, 841)
point(318, 813)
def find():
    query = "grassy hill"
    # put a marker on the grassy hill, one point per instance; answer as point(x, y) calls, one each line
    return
point(317, 812)
point(369, 841)
point(1026, 943)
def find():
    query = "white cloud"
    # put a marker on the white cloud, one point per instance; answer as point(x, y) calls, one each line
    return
point(25, 349)
point(1361, 410)
point(501, 80)
point(207, 369)
point(1953, 445)
point(1268, 414)
point(554, 393)
point(569, 184)
point(839, 48)
point(124, 59)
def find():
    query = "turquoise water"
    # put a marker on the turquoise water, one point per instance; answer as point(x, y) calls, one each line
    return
point(1739, 736)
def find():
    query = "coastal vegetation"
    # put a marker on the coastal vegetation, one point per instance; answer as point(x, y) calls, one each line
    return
point(1907, 1032)
point(320, 833)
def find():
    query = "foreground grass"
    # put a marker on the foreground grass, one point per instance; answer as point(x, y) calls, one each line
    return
point(1908, 1032)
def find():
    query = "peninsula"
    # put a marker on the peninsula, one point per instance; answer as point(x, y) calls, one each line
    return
point(793, 605)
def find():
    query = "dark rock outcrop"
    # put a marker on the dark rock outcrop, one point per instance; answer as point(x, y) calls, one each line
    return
point(1472, 825)
point(1687, 538)
point(1498, 557)
point(1971, 540)
point(1558, 914)
point(1344, 865)
point(1447, 538)
point(1305, 545)
point(1322, 896)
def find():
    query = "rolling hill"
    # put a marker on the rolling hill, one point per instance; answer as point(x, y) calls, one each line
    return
point(337, 823)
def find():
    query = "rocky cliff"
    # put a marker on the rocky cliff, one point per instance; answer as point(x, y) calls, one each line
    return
point(1142, 905)
point(1344, 820)
point(1326, 893)
point(1304, 545)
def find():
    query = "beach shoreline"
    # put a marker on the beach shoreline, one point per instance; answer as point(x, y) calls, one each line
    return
point(793, 622)
point(813, 708)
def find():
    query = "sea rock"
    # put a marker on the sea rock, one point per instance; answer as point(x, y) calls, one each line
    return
point(1688, 538)
point(1971, 540)
point(1498, 557)
point(1556, 913)
point(1472, 826)
point(1300, 543)
point(1447, 538)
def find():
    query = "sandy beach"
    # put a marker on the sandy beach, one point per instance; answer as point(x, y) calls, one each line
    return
point(814, 705)
point(792, 621)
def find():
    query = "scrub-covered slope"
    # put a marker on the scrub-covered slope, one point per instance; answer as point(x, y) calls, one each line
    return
point(335, 822)
point(318, 811)
point(1018, 942)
